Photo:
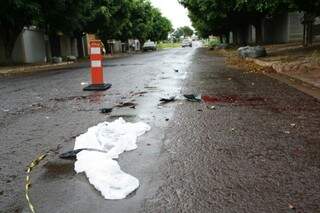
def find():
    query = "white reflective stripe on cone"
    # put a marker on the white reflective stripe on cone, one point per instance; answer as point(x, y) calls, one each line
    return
point(95, 50)
point(96, 64)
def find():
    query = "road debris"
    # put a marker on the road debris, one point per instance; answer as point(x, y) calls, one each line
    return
point(176, 70)
point(291, 207)
point(211, 107)
point(168, 100)
point(150, 87)
point(193, 98)
point(126, 104)
point(138, 93)
point(106, 110)
point(72, 155)
point(103, 172)
point(70, 98)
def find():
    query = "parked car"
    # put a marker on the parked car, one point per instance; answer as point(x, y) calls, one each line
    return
point(149, 45)
point(186, 43)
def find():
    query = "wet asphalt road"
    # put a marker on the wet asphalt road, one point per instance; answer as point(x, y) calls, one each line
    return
point(258, 150)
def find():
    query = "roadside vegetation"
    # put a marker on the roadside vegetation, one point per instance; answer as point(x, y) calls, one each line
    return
point(211, 43)
point(169, 45)
point(182, 32)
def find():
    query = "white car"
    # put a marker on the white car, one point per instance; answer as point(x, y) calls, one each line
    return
point(149, 45)
point(186, 43)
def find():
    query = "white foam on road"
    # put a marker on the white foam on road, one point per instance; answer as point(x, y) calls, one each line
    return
point(103, 172)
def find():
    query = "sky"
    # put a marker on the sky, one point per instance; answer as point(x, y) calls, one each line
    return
point(174, 11)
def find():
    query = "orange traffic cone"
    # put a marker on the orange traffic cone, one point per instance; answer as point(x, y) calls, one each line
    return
point(97, 81)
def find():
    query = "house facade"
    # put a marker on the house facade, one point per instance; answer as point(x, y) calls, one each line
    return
point(34, 46)
point(281, 28)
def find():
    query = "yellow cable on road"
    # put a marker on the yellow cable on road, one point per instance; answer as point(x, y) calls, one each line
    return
point(31, 166)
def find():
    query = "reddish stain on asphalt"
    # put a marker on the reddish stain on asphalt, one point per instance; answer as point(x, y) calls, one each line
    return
point(234, 100)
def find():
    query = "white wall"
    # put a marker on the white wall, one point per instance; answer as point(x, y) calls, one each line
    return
point(65, 45)
point(18, 54)
point(34, 46)
point(275, 30)
point(251, 34)
point(68, 46)
point(295, 28)
point(74, 47)
point(29, 47)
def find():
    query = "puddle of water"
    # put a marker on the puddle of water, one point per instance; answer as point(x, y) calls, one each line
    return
point(55, 170)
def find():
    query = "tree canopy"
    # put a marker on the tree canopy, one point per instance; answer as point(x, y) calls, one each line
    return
point(123, 19)
point(182, 32)
point(109, 19)
point(14, 16)
point(219, 17)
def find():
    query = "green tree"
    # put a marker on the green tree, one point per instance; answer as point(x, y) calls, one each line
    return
point(140, 17)
point(125, 19)
point(159, 26)
point(66, 17)
point(15, 14)
point(218, 17)
point(185, 31)
point(110, 19)
point(311, 10)
point(177, 34)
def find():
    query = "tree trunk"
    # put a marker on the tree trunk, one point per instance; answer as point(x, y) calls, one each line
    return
point(258, 33)
point(221, 38)
point(9, 39)
point(310, 34)
point(308, 20)
point(307, 34)
point(240, 36)
point(235, 37)
point(8, 48)
point(227, 38)
point(80, 46)
point(304, 35)
point(55, 45)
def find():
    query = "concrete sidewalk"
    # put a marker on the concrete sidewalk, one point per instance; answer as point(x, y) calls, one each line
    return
point(288, 60)
point(33, 68)
point(300, 71)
